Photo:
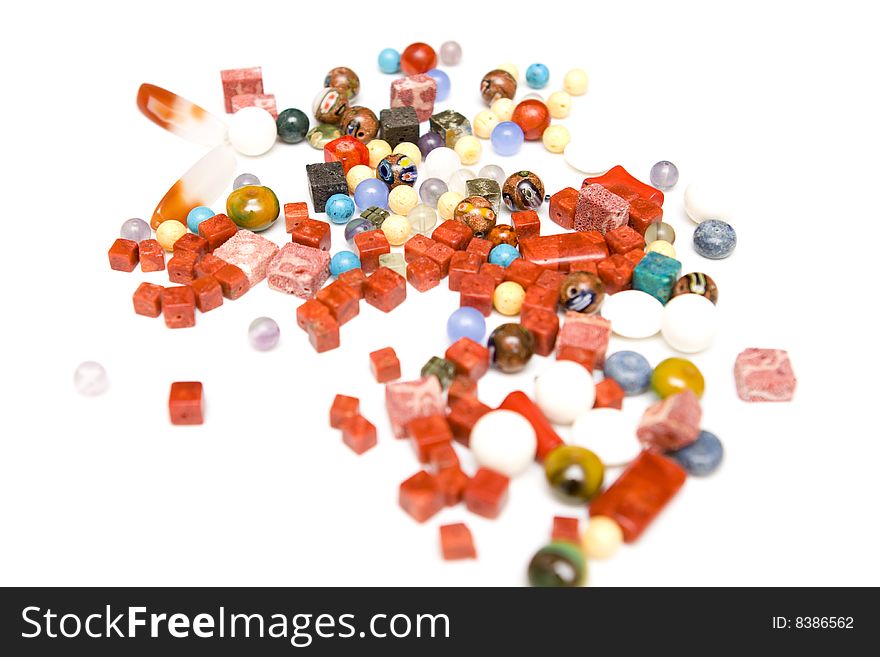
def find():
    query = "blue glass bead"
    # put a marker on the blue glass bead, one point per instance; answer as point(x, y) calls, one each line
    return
point(356, 226)
point(507, 138)
point(339, 208)
point(466, 322)
point(244, 180)
point(702, 457)
point(631, 370)
point(429, 141)
point(664, 175)
point(714, 239)
point(537, 76)
point(370, 192)
point(656, 274)
point(343, 261)
point(503, 255)
point(196, 216)
point(389, 61)
point(444, 86)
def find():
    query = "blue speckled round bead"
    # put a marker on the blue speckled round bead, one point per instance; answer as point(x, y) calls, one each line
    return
point(389, 61)
point(664, 175)
point(429, 141)
point(444, 86)
point(370, 192)
point(343, 261)
point(196, 216)
point(339, 208)
point(356, 226)
point(503, 255)
point(466, 322)
point(702, 457)
point(631, 370)
point(507, 138)
point(714, 239)
point(537, 76)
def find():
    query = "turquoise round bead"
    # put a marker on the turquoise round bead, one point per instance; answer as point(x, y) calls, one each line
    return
point(343, 262)
point(339, 208)
point(196, 216)
point(537, 76)
point(503, 255)
point(389, 61)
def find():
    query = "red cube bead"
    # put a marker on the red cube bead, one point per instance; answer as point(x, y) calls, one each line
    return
point(423, 274)
point(461, 264)
point(480, 247)
point(471, 359)
point(589, 332)
point(616, 272)
point(152, 255)
point(310, 311)
point(427, 433)
point(217, 230)
point(385, 289)
point(148, 300)
point(343, 409)
point(293, 212)
point(420, 496)
point(551, 278)
point(461, 386)
point(370, 245)
point(208, 265)
point(476, 291)
point(496, 272)
point(181, 267)
point(565, 529)
point(239, 81)
point(442, 255)
point(452, 482)
point(191, 242)
point(543, 324)
point(643, 213)
point(635, 256)
point(540, 297)
point(355, 279)
point(579, 355)
point(341, 300)
point(310, 232)
point(359, 434)
point(385, 365)
point(123, 255)
point(179, 307)
point(185, 403)
point(486, 493)
point(416, 247)
point(442, 455)
point(588, 266)
point(623, 239)
point(323, 333)
point(233, 281)
point(526, 223)
point(208, 293)
point(454, 234)
point(562, 207)
point(347, 150)
point(609, 394)
point(456, 542)
point(463, 415)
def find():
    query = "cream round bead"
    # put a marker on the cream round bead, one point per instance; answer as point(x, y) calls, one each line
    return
point(484, 123)
point(556, 138)
point(402, 199)
point(410, 150)
point(576, 82)
point(689, 323)
point(602, 537)
point(169, 232)
point(707, 200)
point(504, 441)
point(447, 203)
point(379, 149)
point(503, 108)
point(559, 104)
point(358, 174)
point(511, 68)
point(252, 131)
point(564, 391)
point(396, 229)
point(662, 247)
point(633, 313)
point(469, 149)
point(508, 298)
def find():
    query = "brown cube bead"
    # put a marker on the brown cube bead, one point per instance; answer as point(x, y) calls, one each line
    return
point(310, 311)
point(385, 289)
point(480, 247)
point(147, 300)
point(544, 327)
point(523, 272)
point(181, 267)
point(526, 223)
point(217, 230)
point(579, 355)
point(616, 272)
point(385, 365)
point(310, 232)
point(454, 234)
point(233, 281)
point(566, 529)
point(416, 247)
point(355, 279)
point(423, 274)
point(370, 245)
point(293, 212)
point(191, 242)
point(442, 255)
point(486, 493)
point(476, 292)
point(420, 496)
point(551, 278)
point(185, 405)
point(341, 300)
point(643, 213)
point(208, 265)
point(463, 415)
point(562, 207)
point(456, 542)
point(179, 307)
point(427, 433)
point(359, 434)
point(540, 297)
point(471, 359)
point(323, 333)
point(609, 394)
point(208, 293)
point(461, 387)
point(623, 239)
point(497, 272)
point(461, 264)
point(152, 255)
point(343, 409)
point(452, 483)
point(123, 255)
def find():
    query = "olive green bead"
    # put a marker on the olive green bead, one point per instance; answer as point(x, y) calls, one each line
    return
point(559, 564)
point(675, 375)
point(254, 207)
point(443, 369)
point(574, 473)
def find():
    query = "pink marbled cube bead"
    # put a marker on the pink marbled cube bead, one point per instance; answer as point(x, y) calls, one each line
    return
point(764, 375)
point(589, 332)
point(299, 270)
point(599, 209)
point(249, 252)
point(239, 81)
point(416, 91)
point(263, 101)
point(408, 400)
point(671, 423)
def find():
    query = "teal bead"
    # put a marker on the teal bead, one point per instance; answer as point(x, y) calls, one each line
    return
point(292, 125)
point(656, 274)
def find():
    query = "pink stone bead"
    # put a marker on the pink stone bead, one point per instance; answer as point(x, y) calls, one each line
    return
point(671, 423)
point(764, 375)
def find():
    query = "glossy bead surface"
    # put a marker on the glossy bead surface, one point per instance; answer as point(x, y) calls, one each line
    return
point(556, 138)
point(356, 175)
point(582, 292)
point(508, 298)
point(245, 179)
point(292, 126)
point(444, 86)
point(511, 347)
point(396, 229)
point(633, 313)
point(361, 123)
point(714, 239)
point(503, 108)
point(559, 104)
point(696, 283)
point(675, 375)
point(523, 190)
point(389, 61)
point(660, 231)
point(397, 169)
point(322, 134)
point(169, 232)
point(417, 58)
point(689, 323)
point(533, 117)
point(402, 200)
point(564, 390)
point(330, 105)
point(664, 175)
point(466, 322)
point(447, 203)
point(476, 212)
point(537, 76)
point(503, 441)
point(344, 261)
point(503, 255)
point(559, 564)
point(702, 457)
point(458, 181)
point(339, 208)
point(263, 333)
point(497, 84)
point(422, 219)
point(90, 379)
point(493, 172)
point(662, 247)
point(574, 473)
point(254, 207)
point(356, 226)
point(252, 131)
point(602, 538)
point(576, 82)
point(502, 234)
point(507, 138)
point(441, 163)
point(631, 370)
point(196, 216)
point(450, 53)
point(138, 230)
point(484, 123)
point(371, 192)
point(431, 190)
point(429, 141)
point(344, 79)
point(469, 149)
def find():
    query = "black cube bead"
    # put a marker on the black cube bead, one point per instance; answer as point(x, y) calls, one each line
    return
point(325, 180)
point(399, 124)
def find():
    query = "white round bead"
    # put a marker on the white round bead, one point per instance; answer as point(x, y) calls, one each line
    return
point(633, 313)
point(608, 433)
point(504, 441)
point(457, 182)
point(564, 391)
point(707, 201)
point(602, 537)
point(586, 158)
point(252, 131)
point(441, 163)
point(689, 323)
point(90, 379)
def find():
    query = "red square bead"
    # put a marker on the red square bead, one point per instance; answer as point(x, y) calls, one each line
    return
point(643, 213)
point(635, 256)
point(456, 542)
point(497, 272)
point(609, 394)
point(152, 255)
point(191, 242)
point(585, 265)
point(461, 264)
point(370, 245)
point(452, 482)
point(461, 386)
point(179, 307)
point(480, 247)
point(217, 230)
point(454, 234)
point(233, 281)
point(208, 265)
point(385, 365)
point(385, 289)
point(470, 358)
point(551, 278)
point(463, 415)
point(540, 297)
point(355, 279)
point(427, 433)
point(486, 493)
point(310, 311)
point(442, 255)
point(565, 529)
point(238, 81)
point(420, 496)
point(148, 300)
point(623, 239)
point(589, 332)
point(416, 247)
point(208, 293)
point(293, 213)
point(181, 267)
point(562, 207)
point(423, 274)
point(342, 301)
point(526, 223)
point(323, 333)
point(343, 409)
point(310, 232)
point(616, 272)
point(579, 355)
point(442, 455)
point(123, 255)
point(185, 402)
point(543, 324)
point(359, 434)
point(476, 292)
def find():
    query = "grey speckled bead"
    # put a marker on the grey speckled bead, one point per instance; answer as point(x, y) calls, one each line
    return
point(135, 230)
point(664, 175)
point(714, 239)
point(431, 190)
point(631, 370)
point(702, 457)
point(245, 179)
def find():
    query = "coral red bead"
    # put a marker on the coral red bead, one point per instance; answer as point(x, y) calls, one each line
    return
point(185, 402)
point(428, 433)
point(385, 365)
point(343, 409)
point(470, 358)
point(486, 493)
point(417, 58)
point(208, 293)
point(533, 117)
point(521, 403)
point(423, 274)
point(420, 496)
point(148, 300)
point(359, 434)
point(609, 394)
point(456, 542)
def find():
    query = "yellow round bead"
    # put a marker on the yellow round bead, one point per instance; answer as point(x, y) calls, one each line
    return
point(484, 123)
point(503, 108)
point(559, 104)
point(469, 149)
point(379, 150)
point(402, 199)
point(396, 229)
point(556, 138)
point(662, 247)
point(602, 537)
point(447, 203)
point(169, 232)
point(508, 298)
point(410, 150)
point(576, 82)
point(511, 68)
point(358, 174)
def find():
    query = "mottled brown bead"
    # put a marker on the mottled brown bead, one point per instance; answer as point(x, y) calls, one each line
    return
point(503, 234)
point(476, 213)
point(360, 123)
point(345, 79)
point(511, 346)
point(582, 292)
point(696, 283)
point(497, 84)
point(523, 190)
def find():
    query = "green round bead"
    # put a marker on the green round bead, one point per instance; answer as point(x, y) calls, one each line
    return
point(322, 134)
point(675, 375)
point(574, 473)
point(253, 207)
point(292, 125)
point(558, 564)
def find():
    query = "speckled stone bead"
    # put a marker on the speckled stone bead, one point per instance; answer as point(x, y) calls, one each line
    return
point(656, 274)
point(702, 457)
point(443, 369)
point(631, 370)
point(714, 239)
point(292, 125)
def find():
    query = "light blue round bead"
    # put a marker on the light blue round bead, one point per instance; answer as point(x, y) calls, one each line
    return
point(503, 255)
point(702, 457)
point(714, 239)
point(507, 138)
point(631, 370)
point(356, 226)
point(537, 76)
point(196, 216)
point(339, 208)
point(370, 192)
point(389, 61)
point(343, 261)
point(466, 322)
point(444, 86)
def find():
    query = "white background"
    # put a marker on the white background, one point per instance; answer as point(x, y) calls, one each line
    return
point(779, 101)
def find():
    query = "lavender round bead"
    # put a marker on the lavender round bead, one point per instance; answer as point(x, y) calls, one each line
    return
point(356, 226)
point(664, 175)
point(135, 230)
point(431, 190)
point(450, 53)
point(466, 322)
point(429, 141)
point(90, 379)
point(263, 333)
point(494, 172)
point(245, 179)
